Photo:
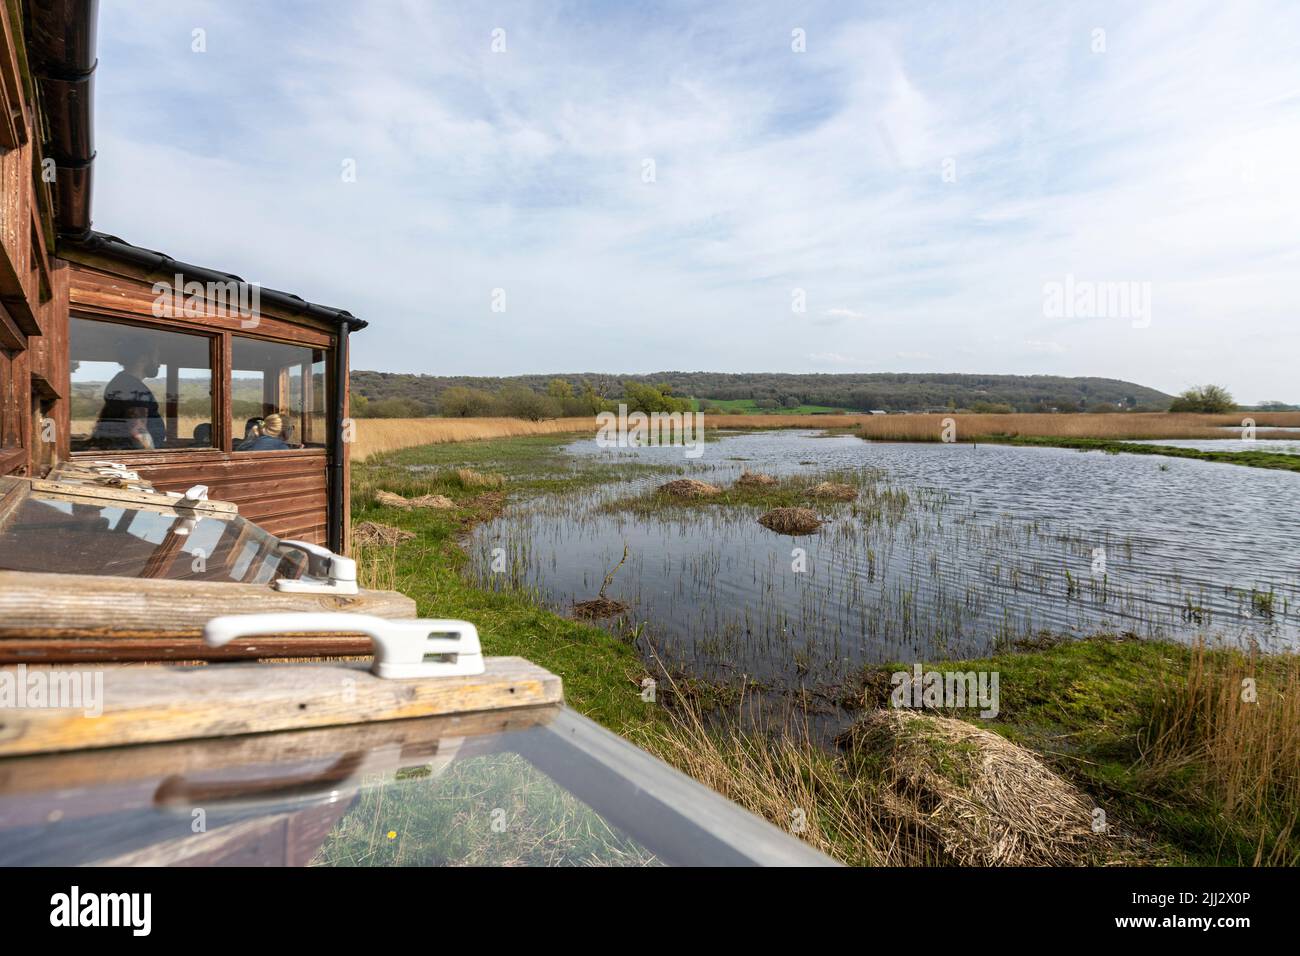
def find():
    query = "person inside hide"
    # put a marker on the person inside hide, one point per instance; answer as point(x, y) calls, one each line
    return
point(252, 432)
point(129, 417)
point(271, 437)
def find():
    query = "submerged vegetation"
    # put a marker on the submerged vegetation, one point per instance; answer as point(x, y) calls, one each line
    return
point(1191, 755)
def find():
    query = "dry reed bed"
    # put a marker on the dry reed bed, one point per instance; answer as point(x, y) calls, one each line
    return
point(1112, 427)
point(1237, 738)
point(377, 435)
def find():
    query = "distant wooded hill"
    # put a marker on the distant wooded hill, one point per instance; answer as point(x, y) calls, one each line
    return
point(402, 395)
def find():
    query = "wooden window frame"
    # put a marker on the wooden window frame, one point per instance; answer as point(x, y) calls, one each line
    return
point(221, 335)
point(327, 350)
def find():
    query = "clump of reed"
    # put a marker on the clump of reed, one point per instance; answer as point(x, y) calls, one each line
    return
point(371, 532)
point(688, 488)
point(1229, 725)
point(834, 491)
point(792, 521)
point(755, 479)
point(472, 480)
point(973, 796)
point(393, 500)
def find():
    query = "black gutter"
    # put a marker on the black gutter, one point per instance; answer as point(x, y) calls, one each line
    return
point(61, 52)
point(335, 482)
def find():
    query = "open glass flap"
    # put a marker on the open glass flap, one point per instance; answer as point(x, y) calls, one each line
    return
point(534, 786)
point(74, 528)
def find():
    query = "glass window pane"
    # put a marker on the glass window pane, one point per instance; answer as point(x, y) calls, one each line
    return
point(47, 531)
point(137, 388)
point(536, 786)
point(270, 407)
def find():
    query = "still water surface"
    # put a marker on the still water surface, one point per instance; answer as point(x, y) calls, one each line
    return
point(996, 544)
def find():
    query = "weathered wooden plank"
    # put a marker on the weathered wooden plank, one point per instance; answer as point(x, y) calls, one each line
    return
point(102, 494)
point(263, 488)
point(144, 649)
point(280, 505)
point(149, 705)
point(204, 460)
point(73, 606)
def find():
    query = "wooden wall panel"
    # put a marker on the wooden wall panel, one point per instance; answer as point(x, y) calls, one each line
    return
point(29, 323)
point(282, 492)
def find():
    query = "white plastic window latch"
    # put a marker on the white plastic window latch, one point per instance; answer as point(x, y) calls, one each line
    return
point(195, 495)
point(118, 471)
point(341, 576)
point(189, 499)
point(420, 647)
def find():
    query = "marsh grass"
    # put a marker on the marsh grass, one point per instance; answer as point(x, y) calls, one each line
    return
point(1282, 461)
point(784, 777)
point(1161, 737)
point(471, 480)
point(1227, 730)
point(1156, 735)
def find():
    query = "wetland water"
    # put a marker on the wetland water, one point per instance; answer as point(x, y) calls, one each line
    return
point(951, 550)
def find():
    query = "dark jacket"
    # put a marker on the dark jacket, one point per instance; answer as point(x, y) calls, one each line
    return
point(264, 443)
point(127, 398)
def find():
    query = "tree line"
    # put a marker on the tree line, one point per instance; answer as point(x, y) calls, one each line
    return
point(398, 395)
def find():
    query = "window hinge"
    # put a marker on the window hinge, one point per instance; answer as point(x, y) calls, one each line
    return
point(340, 576)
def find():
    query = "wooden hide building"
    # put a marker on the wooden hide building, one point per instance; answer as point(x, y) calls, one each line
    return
point(113, 352)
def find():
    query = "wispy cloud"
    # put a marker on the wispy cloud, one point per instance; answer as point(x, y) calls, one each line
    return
point(642, 182)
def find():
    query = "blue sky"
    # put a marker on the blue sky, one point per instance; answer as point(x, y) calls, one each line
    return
point(919, 172)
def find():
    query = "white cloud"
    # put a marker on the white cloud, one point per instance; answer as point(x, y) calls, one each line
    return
point(774, 170)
